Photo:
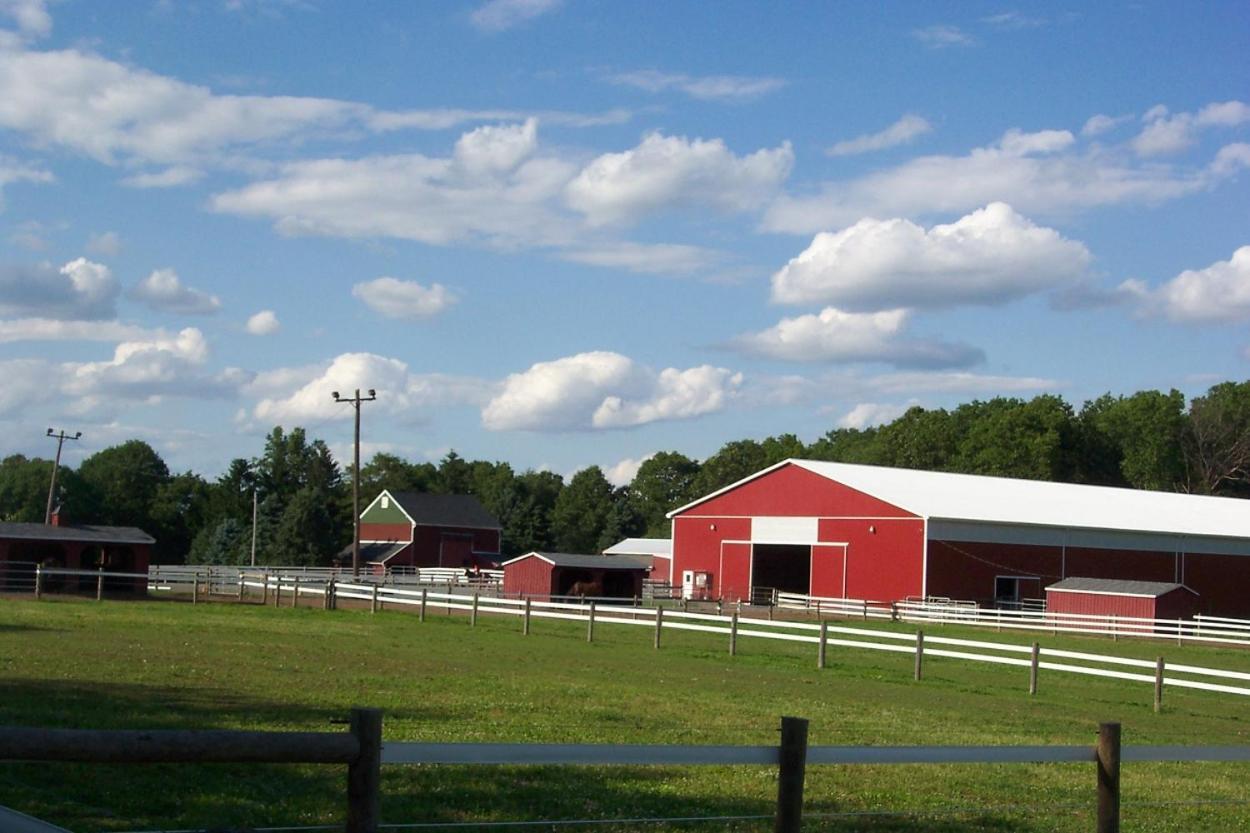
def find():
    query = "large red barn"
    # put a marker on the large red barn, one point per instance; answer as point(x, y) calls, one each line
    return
point(870, 532)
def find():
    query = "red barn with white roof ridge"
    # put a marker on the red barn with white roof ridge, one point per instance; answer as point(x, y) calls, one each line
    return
point(871, 532)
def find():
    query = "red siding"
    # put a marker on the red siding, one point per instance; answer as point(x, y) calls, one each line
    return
point(530, 576)
point(885, 559)
point(795, 491)
point(967, 569)
point(1101, 604)
point(734, 583)
point(697, 546)
point(428, 549)
point(385, 532)
point(1220, 582)
point(827, 570)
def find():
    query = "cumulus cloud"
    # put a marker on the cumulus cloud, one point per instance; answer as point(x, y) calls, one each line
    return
point(394, 298)
point(51, 329)
point(901, 132)
point(605, 390)
point(943, 36)
point(163, 290)
point(1168, 133)
point(496, 149)
point(837, 336)
point(152, 368)
point(666, 171)
point(498, 15)
point(302, 394)
point(165, 178)
point(990, 256)
point(31, 16)
point(707, 87)
point(648, 258)
point(622, 473)
point(869, 414)
point(1218, 293)
point(1041, 173)
point(1098, 124)
point(263, 323)
point(81, 289)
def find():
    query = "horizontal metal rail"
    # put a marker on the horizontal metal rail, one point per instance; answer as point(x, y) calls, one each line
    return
point(176, 746)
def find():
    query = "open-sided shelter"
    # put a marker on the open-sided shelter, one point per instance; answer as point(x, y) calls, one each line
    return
point(871, 532)
point(116, 549)
point(541, 575)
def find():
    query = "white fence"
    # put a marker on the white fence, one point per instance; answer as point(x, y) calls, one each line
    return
point(1209, 629)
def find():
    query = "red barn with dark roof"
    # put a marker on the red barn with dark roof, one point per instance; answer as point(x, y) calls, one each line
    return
point(118, 549)
point(417, 529)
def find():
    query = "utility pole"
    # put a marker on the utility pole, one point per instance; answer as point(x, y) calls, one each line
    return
point(253, 526)
point(355, 402)
point(61, 437)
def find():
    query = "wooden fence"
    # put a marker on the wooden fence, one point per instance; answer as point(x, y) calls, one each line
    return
point(364, 752)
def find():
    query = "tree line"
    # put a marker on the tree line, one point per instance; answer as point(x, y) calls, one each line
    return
point(1148, 440)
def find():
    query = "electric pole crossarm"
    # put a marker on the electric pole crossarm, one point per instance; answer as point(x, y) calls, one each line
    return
point(355, 402)
point(60, 437)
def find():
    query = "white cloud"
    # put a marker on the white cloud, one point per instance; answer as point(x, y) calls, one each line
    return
point(151, 368)
point(623, 472)
point(664, 171)
point(1169, 133)
point(1218, 293)
point(1013, 21)
point(51, 329)
point(707, 87)
point(956, 382)
point(81, 289)
point(164, 178)
point(106, 244)
point(605, 390)
point(648, 258)
point(901, 132)
point(27, 382)
point(299, 395)
point(1042, 173)
point(498, 15)
point(404, 299)
point(837, 336)
point(31, 16)
point(1100, 123)
point(163, 290)
point(263, 323)
point(497, 149)
point(942, 36)
point(869, 414)
point(11, 170)
point(990, 256)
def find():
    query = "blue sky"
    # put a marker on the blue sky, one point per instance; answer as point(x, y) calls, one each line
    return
point(573, 233)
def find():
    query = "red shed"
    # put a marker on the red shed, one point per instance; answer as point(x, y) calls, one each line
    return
point(118, 549)
point(417, 529)
point(1114, 597)
point(885, 534)
point(541, 575)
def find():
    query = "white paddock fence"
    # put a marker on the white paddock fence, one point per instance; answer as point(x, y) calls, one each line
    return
point(1209, 629)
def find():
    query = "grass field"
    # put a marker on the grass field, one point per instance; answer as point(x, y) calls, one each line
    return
point(71, 663)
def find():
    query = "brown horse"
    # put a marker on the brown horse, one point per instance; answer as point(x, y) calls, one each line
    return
point(586, 588)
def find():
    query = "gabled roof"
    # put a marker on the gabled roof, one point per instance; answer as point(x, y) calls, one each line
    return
point(84, 533)
point(588, 562)
point(642, 546)
point(1117, 587)
point(427, 509)
point(375, 552)
point(1004, 500)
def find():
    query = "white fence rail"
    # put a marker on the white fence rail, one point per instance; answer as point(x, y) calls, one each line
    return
point(1209, 629)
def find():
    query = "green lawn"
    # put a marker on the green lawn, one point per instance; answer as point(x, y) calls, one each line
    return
point(73, 663)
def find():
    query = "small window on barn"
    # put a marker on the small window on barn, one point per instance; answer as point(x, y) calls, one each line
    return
point(386, 502)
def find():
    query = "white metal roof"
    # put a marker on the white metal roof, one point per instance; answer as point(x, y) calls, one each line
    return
point(642, 546)
point(1003, 500)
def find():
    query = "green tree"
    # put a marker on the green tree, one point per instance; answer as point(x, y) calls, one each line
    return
point(1142, 435)
point(1217, 441)
point(180, 508)
point(308, 534)
point(848, 445)
point(734, 461)
point(581, 511)
point(663, 482)
point(127, 479)
point(1035, 440)
point(529, 527)
point(919, 439)
point(624, 520)
point(24, 488)
point(226, 542)
point(782, 447)
point(391, 472)
point(455, 477)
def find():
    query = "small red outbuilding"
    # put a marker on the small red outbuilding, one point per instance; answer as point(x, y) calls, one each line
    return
point(541, 575)
point(1116, 597)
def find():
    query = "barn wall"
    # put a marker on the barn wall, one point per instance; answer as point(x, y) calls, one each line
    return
point(697, 546)
point(427, 544)
point(1101, 604)
point(1178, 604)
point(1138, 565)
point(884, 558)
point(795, 491)
point(1222, 583)
point(385, 532)
point(531, 576)
point(827, 571)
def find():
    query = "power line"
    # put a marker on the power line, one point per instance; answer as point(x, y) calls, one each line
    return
point(355, 402)
point(61, 437)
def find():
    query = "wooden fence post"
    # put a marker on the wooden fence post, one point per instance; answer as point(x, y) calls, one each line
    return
point(525, 619)
point(242, 585)
point(1180, 629)
point(1108, 755)
point(295, 593)
point(720, 607)
point(38, 582)
point(1158, 685)
point(1033, 669)
point(421, 617)
point(919, 654)
point(893, 611)
point(332, 594)
point(364, 775)
point(264, 594)
point(473, 613)
point(195, 587)
point(590, 624)
point(1115, 634)
point(823, 646)
point(733, 635)
point(277, 592)
point(865, 610)
point(793, 770)
point(659, 625)
point(373, 603)
point(99, 586)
